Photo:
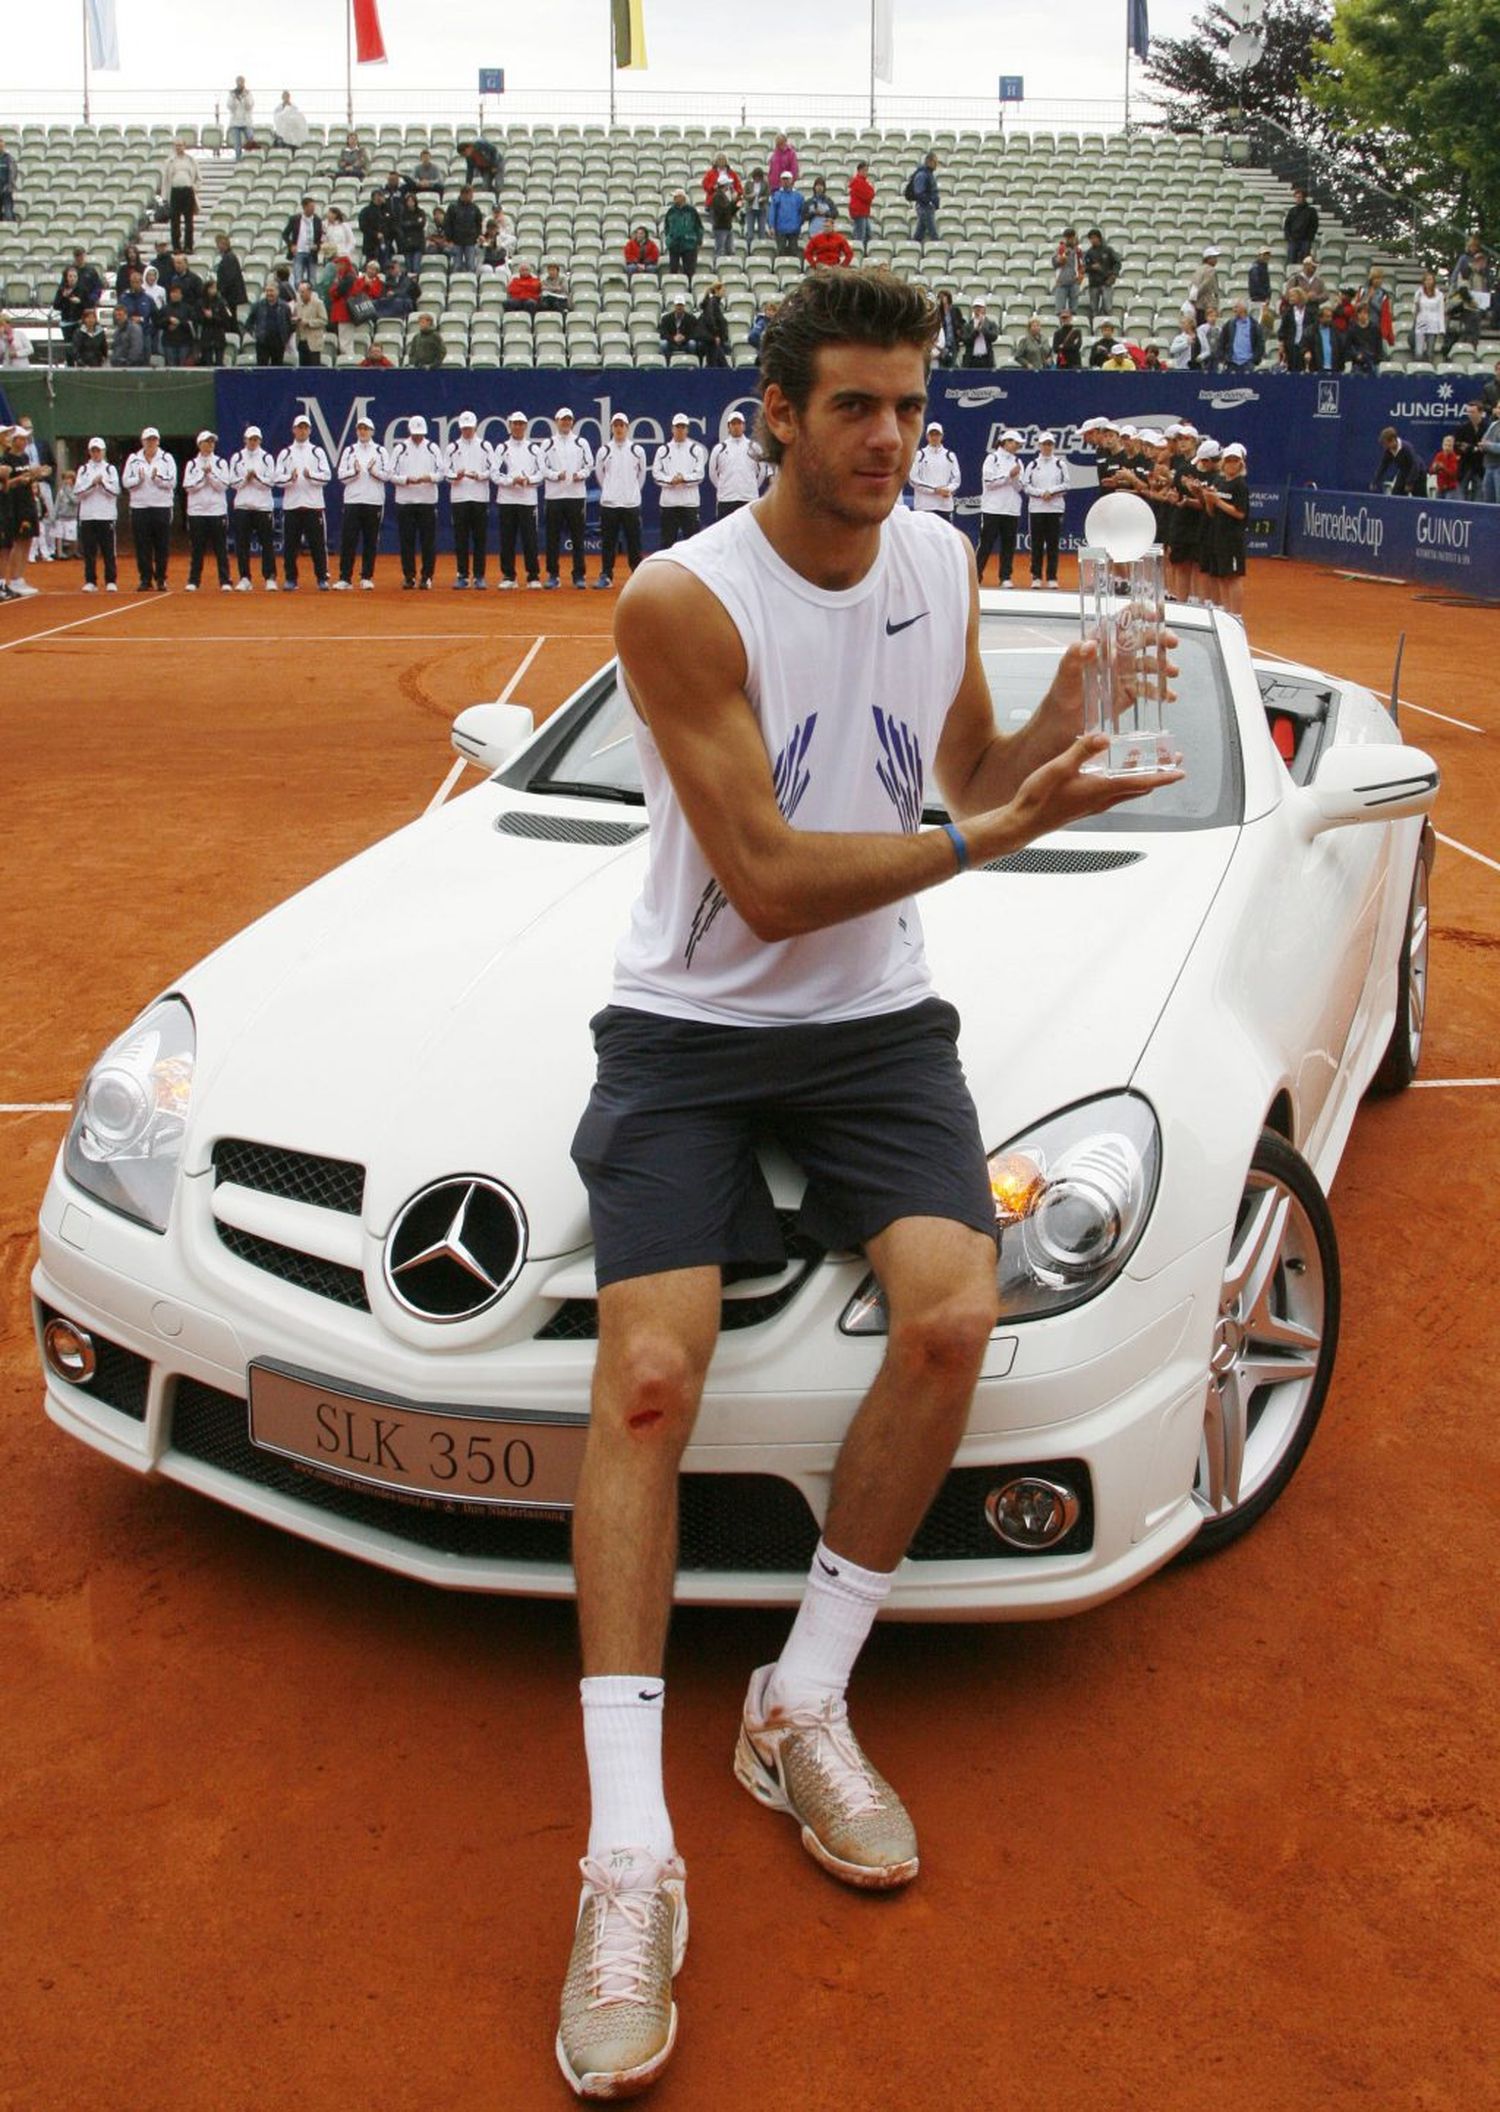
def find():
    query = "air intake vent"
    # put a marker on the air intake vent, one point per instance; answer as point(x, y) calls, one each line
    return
point(298, 1176)
point(1042, 861)
point(563, 828)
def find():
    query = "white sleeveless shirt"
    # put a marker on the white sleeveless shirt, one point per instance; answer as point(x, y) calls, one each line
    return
point(851, 691)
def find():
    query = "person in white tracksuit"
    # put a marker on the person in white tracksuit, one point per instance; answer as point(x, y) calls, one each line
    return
point(252, 479)
point(97, 490)
point(417, 473)
point(517, 475)
point(620, 467)
point(151, 480)
point(1045, 483)
point(935, 475)
point(734, 468)
point(302, 471)
point(678, 470)
point(471, 468)
point(1000, 504)
point(205, 480)
point(364, 472)
point(567, 460)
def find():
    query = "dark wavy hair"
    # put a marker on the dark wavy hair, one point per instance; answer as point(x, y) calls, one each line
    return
point(837, 306)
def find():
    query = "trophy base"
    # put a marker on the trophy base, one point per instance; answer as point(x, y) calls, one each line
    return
point(1133, 755)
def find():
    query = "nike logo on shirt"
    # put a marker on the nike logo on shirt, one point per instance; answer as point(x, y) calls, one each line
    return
point(892, 628)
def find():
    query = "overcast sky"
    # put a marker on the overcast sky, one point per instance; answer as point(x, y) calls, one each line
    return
point(1067, 50)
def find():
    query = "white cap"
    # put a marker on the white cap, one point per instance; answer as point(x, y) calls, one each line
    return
point(1188, 430)
point(365, 419)
point(680, 418)
point(466, 418)
point(252, 432)
point(1235, 447)
point(516, 418)
point(1045, 439)
point(148, 432)
point(562, 411)
point(96, 441)
point(619, 418)
point(416, 425)
point(1208, 451)
point(1010, 433)
point(1092, 425)
point(205, 436)
point(736, 418)
point(786, 175)
point(1213, 250)
point(301, 419)
point(934, 427)
point(1127, 432)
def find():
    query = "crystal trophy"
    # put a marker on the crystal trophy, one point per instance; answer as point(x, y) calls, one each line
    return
point(1123, 613)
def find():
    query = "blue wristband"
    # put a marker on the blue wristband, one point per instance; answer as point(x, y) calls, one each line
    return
point(960, 848)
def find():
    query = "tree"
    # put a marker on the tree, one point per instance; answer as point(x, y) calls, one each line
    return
point(1200, 91)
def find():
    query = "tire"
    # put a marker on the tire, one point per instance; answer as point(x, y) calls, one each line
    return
point(1279, 1314)
point(1403, 1053)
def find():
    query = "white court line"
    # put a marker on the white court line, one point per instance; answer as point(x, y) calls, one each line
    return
point(126, 608)
point(240, 638)
point(1433, 1085)
point(504, 697)
point(34, 1107)
point(1478, 856)
point(1428, 713)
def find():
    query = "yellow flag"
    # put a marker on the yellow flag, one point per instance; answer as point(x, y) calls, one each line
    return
point(630, 33)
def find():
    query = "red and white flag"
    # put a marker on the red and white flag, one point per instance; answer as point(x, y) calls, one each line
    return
point(369, 44)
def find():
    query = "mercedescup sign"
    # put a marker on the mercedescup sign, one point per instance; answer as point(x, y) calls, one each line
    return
point(1430, 541)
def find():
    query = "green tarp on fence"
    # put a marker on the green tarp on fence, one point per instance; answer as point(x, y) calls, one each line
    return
point(68, 403)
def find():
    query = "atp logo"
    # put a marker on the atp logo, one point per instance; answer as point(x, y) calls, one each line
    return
point(1328, 400)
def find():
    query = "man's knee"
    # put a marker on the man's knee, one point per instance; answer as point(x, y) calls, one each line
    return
point(650, 1385)
point(945, 1341)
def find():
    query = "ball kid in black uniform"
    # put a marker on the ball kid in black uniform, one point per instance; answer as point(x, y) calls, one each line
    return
point(1225, 530)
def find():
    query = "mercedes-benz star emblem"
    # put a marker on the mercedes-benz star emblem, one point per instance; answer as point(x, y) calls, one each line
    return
point(455, 1248)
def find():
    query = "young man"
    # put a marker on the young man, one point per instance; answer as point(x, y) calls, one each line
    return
point(205, 480)
point(303, 474)
point(620, 467)
point(151, 480)
point(772, 983)
point(252, 478)
point(97, 490)
point(364, 473)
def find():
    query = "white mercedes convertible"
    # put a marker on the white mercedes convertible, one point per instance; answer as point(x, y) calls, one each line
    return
point(314, 1245)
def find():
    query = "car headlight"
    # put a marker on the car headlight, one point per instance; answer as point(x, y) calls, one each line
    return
point(1072, 1197)
point(125, 1139)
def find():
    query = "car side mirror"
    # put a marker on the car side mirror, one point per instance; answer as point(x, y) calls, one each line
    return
point(1370, 783)
point(490, 734)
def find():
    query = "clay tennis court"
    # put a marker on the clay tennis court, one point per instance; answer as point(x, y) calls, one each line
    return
point(280, 1830)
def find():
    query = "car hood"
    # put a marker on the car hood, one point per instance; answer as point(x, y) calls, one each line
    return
point(424, 1010)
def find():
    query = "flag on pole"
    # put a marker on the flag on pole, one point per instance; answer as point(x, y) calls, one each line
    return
point(369, 44)
point(883, 40)
point(104, 37)
point(630, 32)
point(1137, 28)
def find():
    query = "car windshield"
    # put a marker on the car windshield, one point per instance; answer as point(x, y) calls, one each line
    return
point(592, 750)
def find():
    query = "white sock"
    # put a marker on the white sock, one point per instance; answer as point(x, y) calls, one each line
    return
point(836, 1615)
point(622, 1738)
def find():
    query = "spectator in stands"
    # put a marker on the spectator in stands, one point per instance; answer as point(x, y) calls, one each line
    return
point(410, 229)
point(980, 337)
point(156, 294)
point(524, 289)
point(861, 204)
point(1067, 271)
point(1258, 281)
point(374, 357)
point(949, 343)
point(426, 348)
point(289, 126)
point(720, 172)
point(553, 297)
point(1445, 468)
point(567, 462)
point(1031, 349)
point(230, 275)
point(463, 224)
point(817, 207)
point(269, 326)
point(1067, 342)
point(782, 159)
point(1382, 308)
point(1466, 446)
point(495, 242)
point(713, 327)
point(1101, 269)
point(303, 475)
point(1208, 341)
point(354, 160)
point(641, 253)
point(1207, 290)
point(179, 190)
point(437, 243)
point(484, 162)
point(205, 481)
point(620, 466)
point(760, 322)
point(1361, 348)
point(518, 473)
point(1473, 268)
point(934, 475)
point(1399, 472)
point(241, 111)
point(734, 469)
point(683, 230)
point(1182, 351)
point(1297, 335)
point(829, 243)
point(723, 209)
point(1152, 361)
point(1242, 342)
point(1308, 276)
point(1105, 345)
point(69, 302)
point(310, 322)
point(90, 343)
point(398, 291)
point(7, 183)
point(1463, 321)
point(151, 480)
point(181, 273)
point(679, 468)
point(96, 488)
point(1489, 447)
point(300, 238)
point(425, 174)
point(784, 215)
point(375, 232)
point(340, 290)
point(1490, 393)
point(1300, 227)
point(179, 332)
point(128, 345)
point(757, 199)
point(215, 320)
point(1429, 319)
point(678, 331)
point(923, 190)
point(469, 468)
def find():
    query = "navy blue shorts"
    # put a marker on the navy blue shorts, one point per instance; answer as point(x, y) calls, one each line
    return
point(876, 1112)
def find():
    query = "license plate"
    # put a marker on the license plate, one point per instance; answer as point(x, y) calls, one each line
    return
point(505, 1459)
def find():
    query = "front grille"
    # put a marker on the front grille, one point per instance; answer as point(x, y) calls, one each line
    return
point(307, 1272)
point(956, 1529)
point(565, 828)
point(121, 1378)
point(299, 1176)
point(754, 1522)
point(1036, 860)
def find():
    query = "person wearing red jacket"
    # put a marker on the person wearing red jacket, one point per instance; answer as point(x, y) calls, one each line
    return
point(524, 290)
point(1446, 467)
point(721, 172)
point(641, 253)
point(829, 246)
point(861, 199)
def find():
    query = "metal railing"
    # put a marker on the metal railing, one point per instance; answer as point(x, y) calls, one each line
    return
point(1395, 222)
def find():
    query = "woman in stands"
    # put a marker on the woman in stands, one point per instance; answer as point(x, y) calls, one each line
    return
point(641, 253)
point(1429, 319)
point(950, 337)
point(70, 303)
